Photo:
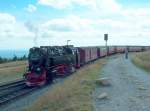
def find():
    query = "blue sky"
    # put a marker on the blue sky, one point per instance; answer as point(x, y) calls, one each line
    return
point(27, 23)
point(133, 2)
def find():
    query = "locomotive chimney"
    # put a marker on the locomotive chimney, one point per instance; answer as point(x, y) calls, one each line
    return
point(68, 42)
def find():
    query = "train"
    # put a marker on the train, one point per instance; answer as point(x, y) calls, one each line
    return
point(45, 63)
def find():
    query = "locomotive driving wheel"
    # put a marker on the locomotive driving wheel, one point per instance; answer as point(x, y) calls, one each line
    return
point(49, 77)
point(72, 69)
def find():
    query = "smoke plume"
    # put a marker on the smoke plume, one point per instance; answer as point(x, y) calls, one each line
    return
point(34, 29)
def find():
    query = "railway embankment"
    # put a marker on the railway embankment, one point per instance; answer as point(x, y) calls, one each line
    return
point(142, 60)
point(12, 70)
point(74, 94)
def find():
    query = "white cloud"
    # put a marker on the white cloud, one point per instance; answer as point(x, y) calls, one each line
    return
point(69, 23)
point(31, 8)
point(13, 33)
point(99, 5)
point(78, 29)
point(6, 18)
point(82, 31)
point(55, 3)
point(138, 12)
point(11, 28)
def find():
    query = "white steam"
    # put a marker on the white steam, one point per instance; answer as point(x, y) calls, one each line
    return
point(34, 29)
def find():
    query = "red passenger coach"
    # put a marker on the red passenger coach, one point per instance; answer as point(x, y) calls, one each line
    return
point(98, 52)
point(103, 52)
point(87, 54)
point(111, 50)
point(93, 53)
point(84, 55)
point(120, 49)
point(134, 48)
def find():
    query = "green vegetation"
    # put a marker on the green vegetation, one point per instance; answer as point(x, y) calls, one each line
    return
point(12, 70)
point(74, 94)
point(142, 60)
point(15, 58)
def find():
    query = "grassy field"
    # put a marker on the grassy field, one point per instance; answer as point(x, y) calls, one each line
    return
point(74, 94)
point(12, 70)
point(142, 60)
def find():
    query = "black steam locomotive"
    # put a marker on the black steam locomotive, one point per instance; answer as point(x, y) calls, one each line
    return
point(48, 62)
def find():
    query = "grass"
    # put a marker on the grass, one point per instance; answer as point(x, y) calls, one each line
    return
point(142, 60)
point(12, 70)
point(73, 94)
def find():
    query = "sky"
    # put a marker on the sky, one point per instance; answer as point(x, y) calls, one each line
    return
point(28, 23)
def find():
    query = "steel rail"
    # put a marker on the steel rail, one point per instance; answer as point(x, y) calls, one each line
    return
point(7, 85)
point(14, 95)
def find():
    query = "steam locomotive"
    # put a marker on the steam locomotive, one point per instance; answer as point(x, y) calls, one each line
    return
point(49, 62)
point(46, 63)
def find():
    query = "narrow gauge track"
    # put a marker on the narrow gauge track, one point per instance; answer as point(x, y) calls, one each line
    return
point(6, 85)
point(12, 90)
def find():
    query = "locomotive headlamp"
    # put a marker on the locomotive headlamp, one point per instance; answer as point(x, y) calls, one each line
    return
point(38, 69)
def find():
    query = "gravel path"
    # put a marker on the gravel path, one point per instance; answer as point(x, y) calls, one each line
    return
point(129, 90)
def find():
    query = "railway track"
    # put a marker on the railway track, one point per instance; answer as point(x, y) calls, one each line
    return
point(6, 85)
point(12, 90)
